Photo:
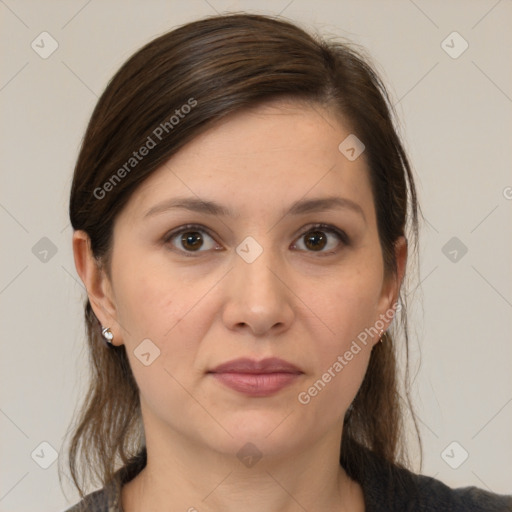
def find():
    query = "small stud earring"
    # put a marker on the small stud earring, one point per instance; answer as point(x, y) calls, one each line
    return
point(108, 336)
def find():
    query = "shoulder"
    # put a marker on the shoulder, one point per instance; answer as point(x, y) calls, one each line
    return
point(433, 495)
point(414, 492)
point(108, 498)
point(390, 487)
point(102, 500)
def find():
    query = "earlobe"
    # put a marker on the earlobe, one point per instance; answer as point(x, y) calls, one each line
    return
point(95, 281)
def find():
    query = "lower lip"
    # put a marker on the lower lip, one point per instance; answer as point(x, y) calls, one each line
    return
point(256, 384)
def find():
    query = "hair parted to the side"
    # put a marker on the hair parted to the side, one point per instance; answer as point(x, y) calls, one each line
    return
point(225, 64)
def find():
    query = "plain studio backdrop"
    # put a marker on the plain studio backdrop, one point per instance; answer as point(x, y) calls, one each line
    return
point(445, 64)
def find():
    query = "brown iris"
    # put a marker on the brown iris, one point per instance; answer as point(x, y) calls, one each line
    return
point(315, 240)
point(192, 240)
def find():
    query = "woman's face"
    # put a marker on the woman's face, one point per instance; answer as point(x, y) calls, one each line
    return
point(252, 278)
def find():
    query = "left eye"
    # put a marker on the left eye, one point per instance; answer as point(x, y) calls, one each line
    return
point(316, 239)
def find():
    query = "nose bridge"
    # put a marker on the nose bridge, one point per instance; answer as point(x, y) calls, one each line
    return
point(258, 263)
point(258, 296)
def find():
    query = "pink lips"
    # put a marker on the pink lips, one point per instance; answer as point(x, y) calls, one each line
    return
point(256, 378)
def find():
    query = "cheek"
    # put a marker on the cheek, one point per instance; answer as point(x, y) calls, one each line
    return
point(150, 302)
point(144, 305)
point(166, 309)
point(340, 363)
point(349, 303)
point(348, 310)
point(161, 311)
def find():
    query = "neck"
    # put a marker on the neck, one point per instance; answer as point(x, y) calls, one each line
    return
point(183, 475)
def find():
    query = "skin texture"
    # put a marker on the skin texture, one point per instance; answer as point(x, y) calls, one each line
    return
point(301, 304)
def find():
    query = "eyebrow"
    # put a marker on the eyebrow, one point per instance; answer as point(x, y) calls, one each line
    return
point(299, 207)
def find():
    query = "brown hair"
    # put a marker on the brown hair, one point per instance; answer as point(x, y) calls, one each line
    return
point(219, 65)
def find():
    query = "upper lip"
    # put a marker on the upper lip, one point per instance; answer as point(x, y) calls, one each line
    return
point(246, 365)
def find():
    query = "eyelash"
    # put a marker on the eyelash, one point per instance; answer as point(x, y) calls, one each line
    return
point(341, 235)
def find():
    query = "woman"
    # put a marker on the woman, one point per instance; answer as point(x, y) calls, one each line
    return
point(240, 206)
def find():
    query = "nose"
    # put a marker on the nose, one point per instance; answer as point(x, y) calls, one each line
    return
point(258, 298)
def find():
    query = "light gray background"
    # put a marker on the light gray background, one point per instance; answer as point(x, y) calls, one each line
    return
point(456, 119)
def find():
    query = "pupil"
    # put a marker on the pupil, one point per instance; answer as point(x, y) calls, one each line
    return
point(315, 240)
point(192, 240)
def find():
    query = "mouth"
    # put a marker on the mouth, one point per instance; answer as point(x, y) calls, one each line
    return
point(256, 378)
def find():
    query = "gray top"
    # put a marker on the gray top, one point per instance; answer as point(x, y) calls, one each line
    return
point(386, 487)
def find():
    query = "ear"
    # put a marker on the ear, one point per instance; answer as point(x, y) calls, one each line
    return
point(97, 284)
point(391, 287)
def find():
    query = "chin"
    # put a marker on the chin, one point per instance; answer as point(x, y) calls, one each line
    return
point(268, 433)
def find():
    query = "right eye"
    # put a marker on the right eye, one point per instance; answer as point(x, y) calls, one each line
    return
point(190, 239)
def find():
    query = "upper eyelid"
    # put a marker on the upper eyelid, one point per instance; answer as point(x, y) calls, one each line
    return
point(189, 227)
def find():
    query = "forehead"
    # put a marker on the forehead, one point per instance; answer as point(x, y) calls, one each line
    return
point(264, 157)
